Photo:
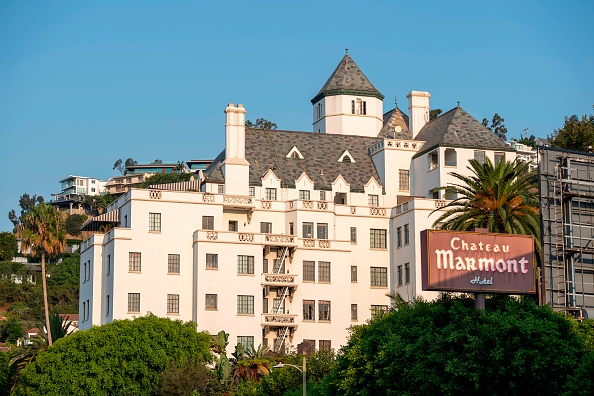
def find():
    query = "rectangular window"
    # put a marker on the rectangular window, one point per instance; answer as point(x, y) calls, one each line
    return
point(252, 191)
point(212, 261)
point(309, 309)
point(404, 183)
point(433, 163)
point(499, 156)
point(326, 345)
point(377, 238)
point(352, 107)
point(324, 310)
point(265, 266)
point(322, 230)
point(245, 264)
point(278, 305)
point(247, 342)
point(291, 229)
point(154, 221)
point(208, 222)
point(220, 188)
point(323, 271)
point(407, 273)
point(133, 302)
point(173, 263)
point(373, 200)
point(399, 237)
point(354, 234)
point(211, 301)
point(353, 273)
point(354, 313)
point(309, 271)
point(107, 306)
point(270, 194)
point(399, 275)
point(173, 303)
point(308, 230)
point(266, 228)
point(303, 194)
point(377, 310)
point(245, 304)
point(379, 276)
point(278, 266)
point(479, 156)
point(134, 262)
point(264, 305)
point(312, 344)
point(85, 280)
point(406, 234)
point(232, 225)
point(108, 264)
point(322, 195)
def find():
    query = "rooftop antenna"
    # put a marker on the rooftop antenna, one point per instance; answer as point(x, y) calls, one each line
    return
point(347, 51)
point(458, 103)
point(396, 101)
point(526, 130)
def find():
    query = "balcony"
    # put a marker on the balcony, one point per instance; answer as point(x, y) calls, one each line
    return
point(321, 243)
point(238, 202)
point(279, 240)
point(279, 320)
point(279, 280)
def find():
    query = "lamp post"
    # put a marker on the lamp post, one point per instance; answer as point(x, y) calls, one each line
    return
point(303, 371)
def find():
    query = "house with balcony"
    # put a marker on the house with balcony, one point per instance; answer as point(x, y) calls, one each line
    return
point(73, 191)
point(293, 236)
point(120, 184)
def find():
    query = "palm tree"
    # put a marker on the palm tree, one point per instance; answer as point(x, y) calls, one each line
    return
point(252, 364)
point(500, 198)
point(42, 231)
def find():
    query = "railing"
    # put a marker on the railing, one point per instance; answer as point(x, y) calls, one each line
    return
point(323, 243)
point(309, 243)
point(279, 279)
point(440, 204)
point(280, 320)
point(206, 197)
point(265, 204)
point(212, 235)
point(374, 211)
point(237, 199)
point(245, 237)
point(279, 238)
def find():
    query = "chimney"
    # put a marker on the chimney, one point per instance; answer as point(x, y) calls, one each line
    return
point(418, 111)
point(235, 132)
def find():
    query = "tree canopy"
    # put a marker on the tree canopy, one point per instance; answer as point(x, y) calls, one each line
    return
point(497, 126)
point(261, 123)
point(576, 134)
point(123, 357)
point(447, 347)
point(434, 113)
point(26, 202)
point(8, 246)
point(164, 178)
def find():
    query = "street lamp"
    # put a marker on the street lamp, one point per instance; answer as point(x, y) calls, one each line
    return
point(281, 365)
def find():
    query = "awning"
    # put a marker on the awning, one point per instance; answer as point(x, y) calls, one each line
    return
point(107, 218)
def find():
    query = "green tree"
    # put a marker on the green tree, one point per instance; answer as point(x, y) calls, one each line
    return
point(434, 113)
point(118, 165)
point(26, 202)
point(497, 126)
point(501, 198)
point(12, 329)
point(528, 141)
point(447, 347)
point(576, 134)
point(6, 374)
point(164, 178)
point(252, 364)
point(184, 378)
point(74, 222)
point(8, 246)
point(124, 357)
point(42, 231)
point(130, 162)
point(261, 123)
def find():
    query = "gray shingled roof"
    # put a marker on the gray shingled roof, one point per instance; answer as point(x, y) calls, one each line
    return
point(392, 119)
point(457, 128)
point(268, 150)
point(347, 79)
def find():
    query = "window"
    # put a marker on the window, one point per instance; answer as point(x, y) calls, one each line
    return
point(278, 267)
point(353, 273)
point(309, 309)
point(432, 160)
point(232, 225)
point(252, 192)
point(354, 314)
point(245, 264)
point(325, 345)
point(265, 266)
point(372, 200)
point(450, 157)
point(220, 188)
point(270, 194)
point(406, 234)
point(134, 262)
point(108, 264)
point(173, 303)
point(499, 156)
point(85, 281)
point(479, 156)
point(399, 275)
point(107, 306)
point(323, 310)
point(323, 271)
point(173, 263)
point(264, 305)
point(379, 276)
point(211, 301)
point(407, 273)
point(303, 194)
point(291, 229)
point(377, 239)
point(133, 302)
point(435, 193)
point(266, 228)
point(352, 107)
point(245, 304)
point(312, 345)
point(208, 222)
point(399, 237)
point(308, 230)
point(89, 308)
point(403, 180)
point(354, 234)
point(212, 261)
point(309, 271)
point(154, 221)
point(125, 221)
point(322, 195)
point(247, 342)
point(92, 190)
point(278, 305)
point(377, 310)
point(322, 230)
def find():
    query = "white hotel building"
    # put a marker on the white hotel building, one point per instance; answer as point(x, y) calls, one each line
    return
point(294, 236)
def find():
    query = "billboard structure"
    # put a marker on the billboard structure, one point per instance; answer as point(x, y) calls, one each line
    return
point(475, 262)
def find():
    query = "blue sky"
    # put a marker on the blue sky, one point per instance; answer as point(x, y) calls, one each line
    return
point(85, 83)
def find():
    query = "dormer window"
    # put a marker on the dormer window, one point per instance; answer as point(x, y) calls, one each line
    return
point(294, 153)
point(346, 157)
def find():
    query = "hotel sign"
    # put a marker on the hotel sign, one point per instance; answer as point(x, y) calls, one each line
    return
point(478, 263)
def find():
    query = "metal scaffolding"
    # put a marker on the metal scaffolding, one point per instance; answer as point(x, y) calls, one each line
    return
point(566, 189)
